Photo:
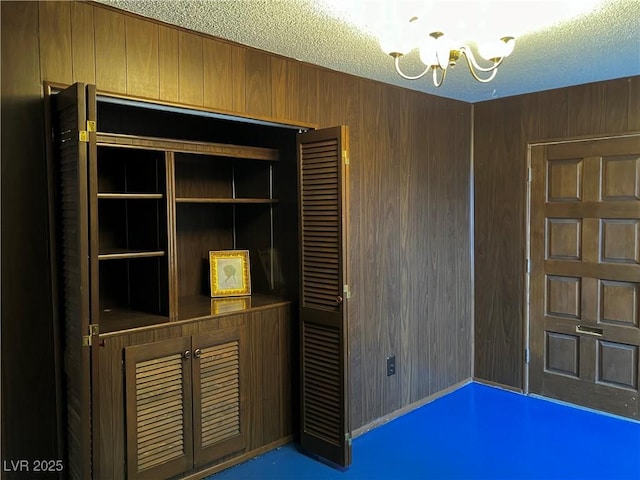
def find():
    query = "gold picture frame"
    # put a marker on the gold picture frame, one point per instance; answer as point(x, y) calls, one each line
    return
point(229, 273)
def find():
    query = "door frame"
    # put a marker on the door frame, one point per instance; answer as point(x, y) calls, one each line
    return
point(527, 251)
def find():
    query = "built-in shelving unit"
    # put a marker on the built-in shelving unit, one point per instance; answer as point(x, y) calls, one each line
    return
point(138, 216)
point(162, 206)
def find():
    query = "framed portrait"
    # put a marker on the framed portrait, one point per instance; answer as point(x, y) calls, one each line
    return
point(229, 273)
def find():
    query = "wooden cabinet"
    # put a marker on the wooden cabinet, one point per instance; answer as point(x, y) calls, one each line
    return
point(159, 415)
point(185, 402)
point(162, 380)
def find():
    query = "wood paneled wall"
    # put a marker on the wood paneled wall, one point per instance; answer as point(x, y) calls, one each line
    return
point(502, 129)
point(409, 257)
point(28, 382)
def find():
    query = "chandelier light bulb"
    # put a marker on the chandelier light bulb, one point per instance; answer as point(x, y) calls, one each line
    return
point(395, 43)
point(497, 49)
point(428, 52)
point(509, 44)
point(443, 48)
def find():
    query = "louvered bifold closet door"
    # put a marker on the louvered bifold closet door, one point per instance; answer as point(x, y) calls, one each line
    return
point(158, 408)
point(323, 188)
point(219, 386)
point(69, 121)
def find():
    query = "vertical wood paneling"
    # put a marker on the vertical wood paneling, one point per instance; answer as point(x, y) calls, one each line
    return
point(28, 379)
point(328, 96)
point(238, 56)
point(634, 104)
point(83, 43)
point(190, 69)
point(499, 238)
point(258, 83)
point(111, 51)
point(587, 114)
point(142, 58)
point(168, 63)
point(304, 80)
point(448, 245)
point(553, 114)
point(502, 130)
point(55, 41)
point(405, 238)
point(218, 74)
point(279, 86)
point(616, 94)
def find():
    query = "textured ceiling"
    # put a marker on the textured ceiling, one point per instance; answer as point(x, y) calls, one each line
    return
point(599, 46)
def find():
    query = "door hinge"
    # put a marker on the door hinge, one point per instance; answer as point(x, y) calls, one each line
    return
point(529, 175)
point(94, 329)
point(347, 292)
point(91, 126)
point(83, 136)
point(345, 157)
point(526, 356)
point(347, 438)
point(528, 265)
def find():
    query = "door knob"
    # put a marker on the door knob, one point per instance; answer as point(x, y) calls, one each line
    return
point(197, 352)
point(186, 355)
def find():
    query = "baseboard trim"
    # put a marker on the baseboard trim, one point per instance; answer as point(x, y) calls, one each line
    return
point(501, 386)
point(409, 408)
point(581, 407)
point(240, 459)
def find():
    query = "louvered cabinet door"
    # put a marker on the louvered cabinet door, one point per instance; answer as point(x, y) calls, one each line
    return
point(69, 115)
point(323, 191)
point(158, 406)
point(219, 384)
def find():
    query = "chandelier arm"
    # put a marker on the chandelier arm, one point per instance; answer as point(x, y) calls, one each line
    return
point(482, 80)
point(471, 60)
point(408, 77)
point(493, 70)
point(435, 76)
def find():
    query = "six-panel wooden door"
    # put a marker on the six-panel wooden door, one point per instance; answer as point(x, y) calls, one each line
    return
point(585, 273)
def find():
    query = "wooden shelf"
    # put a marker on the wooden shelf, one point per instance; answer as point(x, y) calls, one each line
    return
point(264, 201)
point(198, 306)
point(117, 319)
point(130, 196)
point(186, 146)
point(123, 253)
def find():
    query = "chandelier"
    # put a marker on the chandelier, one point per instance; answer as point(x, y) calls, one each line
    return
point(439, 53)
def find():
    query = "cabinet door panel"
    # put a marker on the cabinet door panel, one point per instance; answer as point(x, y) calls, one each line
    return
point(158, 404)
point(219, 368)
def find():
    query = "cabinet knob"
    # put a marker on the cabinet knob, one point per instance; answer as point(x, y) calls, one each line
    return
point(186, 355)
point(339, 299)
point(197, 352)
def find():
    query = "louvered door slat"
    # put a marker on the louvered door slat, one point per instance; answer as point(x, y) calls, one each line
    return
point(159, 415)
point(218, 399)
point(69, 109)
point(323, 196)
point(221, 379)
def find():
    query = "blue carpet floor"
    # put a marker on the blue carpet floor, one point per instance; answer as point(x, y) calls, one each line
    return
point(476, 432)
